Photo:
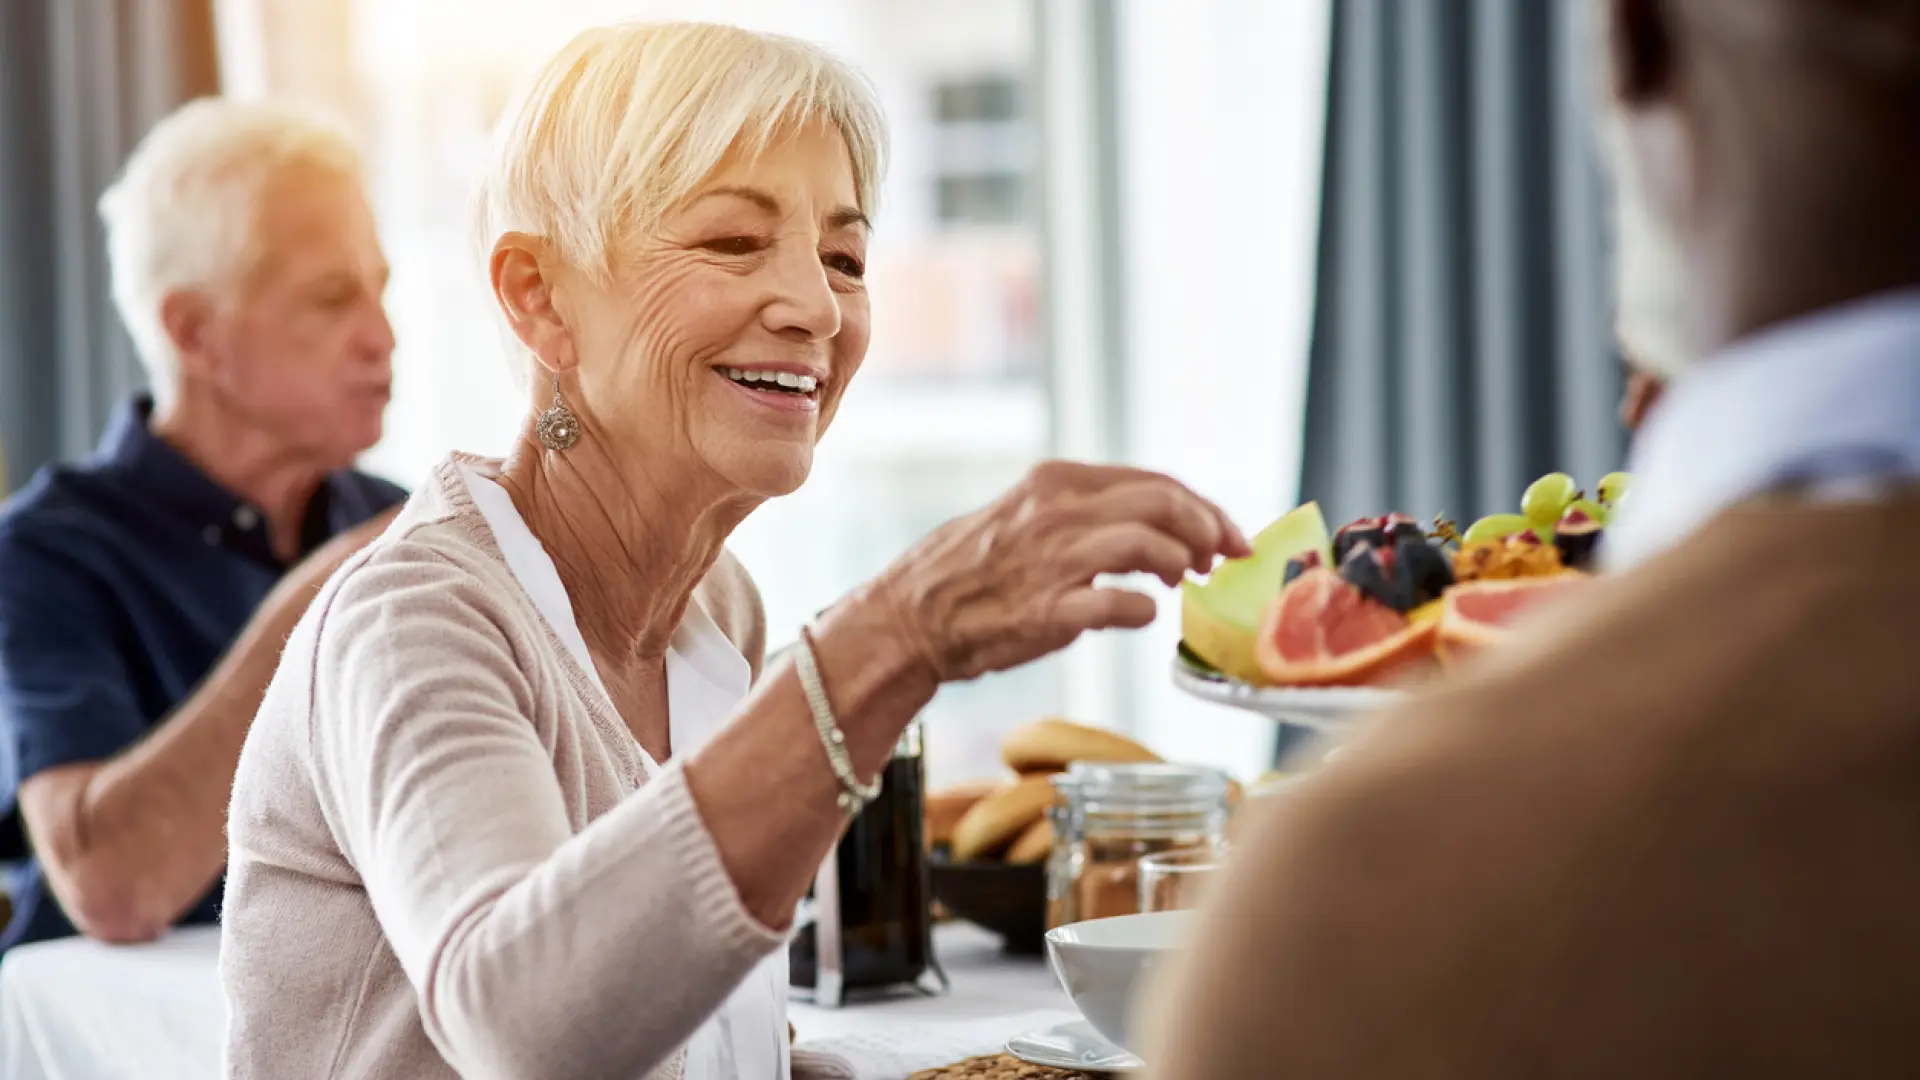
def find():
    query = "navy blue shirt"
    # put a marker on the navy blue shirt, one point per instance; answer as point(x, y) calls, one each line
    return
point(123, 579)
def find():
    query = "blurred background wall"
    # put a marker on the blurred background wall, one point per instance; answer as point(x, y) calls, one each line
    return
point(1462, 339)
point(1100, 237)
point(80, 82)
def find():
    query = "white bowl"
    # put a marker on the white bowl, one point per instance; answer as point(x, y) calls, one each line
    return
point(1103, 962)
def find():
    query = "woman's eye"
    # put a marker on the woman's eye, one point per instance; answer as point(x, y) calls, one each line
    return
point(846, 264)
point(735, 245)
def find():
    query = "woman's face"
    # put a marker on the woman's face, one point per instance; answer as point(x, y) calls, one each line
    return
point(731, 332)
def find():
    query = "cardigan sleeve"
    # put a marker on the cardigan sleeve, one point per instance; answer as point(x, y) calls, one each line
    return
point(533, 950)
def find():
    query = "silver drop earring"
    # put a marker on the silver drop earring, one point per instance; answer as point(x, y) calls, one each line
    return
point(558, 428)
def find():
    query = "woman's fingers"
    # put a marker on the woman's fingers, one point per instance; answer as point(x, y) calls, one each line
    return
point(1168, 508)
point(1142, 493)
point(1234, 543)
point(1172, 510)
point(1104, 609)
point(1128, 548)
point(966, 593)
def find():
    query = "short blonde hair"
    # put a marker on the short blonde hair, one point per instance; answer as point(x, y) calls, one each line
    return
point(626, 121)
point(185, 209)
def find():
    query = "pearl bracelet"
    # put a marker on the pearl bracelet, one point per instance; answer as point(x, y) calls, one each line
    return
point(853, 794)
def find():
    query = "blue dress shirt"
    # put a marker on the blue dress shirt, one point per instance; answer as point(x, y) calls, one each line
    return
point(123, 579)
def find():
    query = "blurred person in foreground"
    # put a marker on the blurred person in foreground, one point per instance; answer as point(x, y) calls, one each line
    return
point(511, 771)
point(146, 590)
point(1672, 832)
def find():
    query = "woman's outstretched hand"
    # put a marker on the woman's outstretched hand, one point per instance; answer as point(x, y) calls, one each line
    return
point(1016, 580)
point(1002, 586)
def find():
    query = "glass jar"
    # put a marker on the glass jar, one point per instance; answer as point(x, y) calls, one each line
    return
point(1106, 817)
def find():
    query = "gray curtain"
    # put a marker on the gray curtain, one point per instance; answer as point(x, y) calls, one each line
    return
point(1462, 338)
point(80, 82)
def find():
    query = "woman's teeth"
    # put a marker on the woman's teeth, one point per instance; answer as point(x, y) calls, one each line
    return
point(773, 380)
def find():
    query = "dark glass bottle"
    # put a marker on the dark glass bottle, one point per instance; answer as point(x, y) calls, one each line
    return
point(870, 927)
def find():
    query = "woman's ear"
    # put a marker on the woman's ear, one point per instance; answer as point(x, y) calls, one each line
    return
point(522, 274)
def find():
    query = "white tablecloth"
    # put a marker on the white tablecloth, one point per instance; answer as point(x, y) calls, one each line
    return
point(80, 1010)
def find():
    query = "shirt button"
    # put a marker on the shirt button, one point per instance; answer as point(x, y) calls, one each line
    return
point(246, 517)
point(211, 534)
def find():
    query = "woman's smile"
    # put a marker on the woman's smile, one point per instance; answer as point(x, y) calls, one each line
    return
point(788, 388)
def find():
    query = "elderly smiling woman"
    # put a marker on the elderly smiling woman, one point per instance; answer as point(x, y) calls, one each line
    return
point(510, 809)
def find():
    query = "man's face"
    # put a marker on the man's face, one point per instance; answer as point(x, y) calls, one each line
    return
point(1653, 319)
point(1648, 162)
point(302, 349)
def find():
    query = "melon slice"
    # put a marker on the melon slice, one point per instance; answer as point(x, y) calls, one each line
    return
point(1220, 616)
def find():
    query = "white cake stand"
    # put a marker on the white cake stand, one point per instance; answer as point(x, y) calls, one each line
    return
point(1328, 709)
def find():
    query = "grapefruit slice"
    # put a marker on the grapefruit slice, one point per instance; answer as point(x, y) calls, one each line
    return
point(1481, 613)
point(1324, 632)
point(1220, 617)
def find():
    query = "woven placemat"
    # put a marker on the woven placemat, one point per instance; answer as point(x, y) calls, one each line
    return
point(1000, 1067)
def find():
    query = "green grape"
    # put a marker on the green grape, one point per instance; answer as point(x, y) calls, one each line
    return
point(1592, 509)
point(1494, 527)
point(1613, 487)
point(1546, 499)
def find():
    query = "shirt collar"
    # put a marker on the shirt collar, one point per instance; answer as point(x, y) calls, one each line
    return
point(152, 466)
point(1830, 396)
point(130, 447)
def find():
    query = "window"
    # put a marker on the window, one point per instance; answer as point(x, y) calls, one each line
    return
point(951, 406)
point(984, 151)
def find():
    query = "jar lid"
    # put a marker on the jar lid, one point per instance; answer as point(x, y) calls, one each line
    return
point(1151, 787)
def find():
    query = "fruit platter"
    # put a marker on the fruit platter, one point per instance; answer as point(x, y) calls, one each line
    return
point(1317, 627)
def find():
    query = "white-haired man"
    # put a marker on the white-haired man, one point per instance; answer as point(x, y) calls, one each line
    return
point(145, 592)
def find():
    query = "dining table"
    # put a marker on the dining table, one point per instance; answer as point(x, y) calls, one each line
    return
point(78, 1009)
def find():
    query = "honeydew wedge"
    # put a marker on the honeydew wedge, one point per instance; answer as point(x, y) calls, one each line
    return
point(1220, 615)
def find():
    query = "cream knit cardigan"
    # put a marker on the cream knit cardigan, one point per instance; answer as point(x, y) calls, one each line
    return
point(446, 858)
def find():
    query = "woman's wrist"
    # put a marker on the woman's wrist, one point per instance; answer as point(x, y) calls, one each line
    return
point(876, 678)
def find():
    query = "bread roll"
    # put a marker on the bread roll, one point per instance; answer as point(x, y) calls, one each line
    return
point(946, 806)
point(1054, 744)
point(1034, 845)
point(996, 820)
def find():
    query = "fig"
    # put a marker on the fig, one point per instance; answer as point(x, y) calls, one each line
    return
point(1299, 564)
point(1370, 569)
point(1421, 572)
point(1399, 527)
point(1578, 538)
point(1382, 532)
point(1364, 530)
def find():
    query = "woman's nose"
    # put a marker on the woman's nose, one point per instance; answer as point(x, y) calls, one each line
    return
point(805, 305)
